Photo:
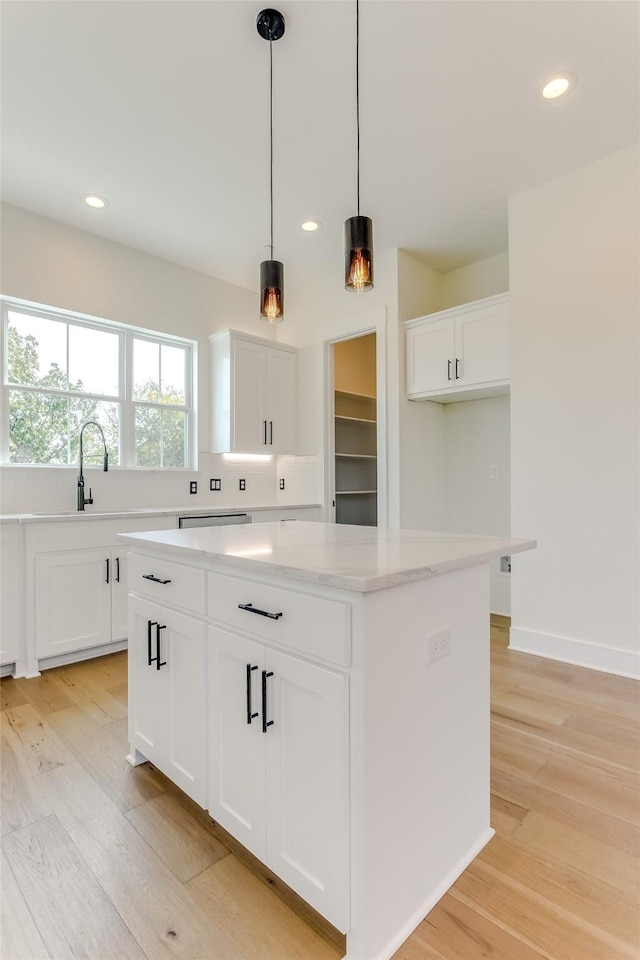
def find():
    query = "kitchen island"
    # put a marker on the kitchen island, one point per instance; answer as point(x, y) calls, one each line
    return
point(323, 691)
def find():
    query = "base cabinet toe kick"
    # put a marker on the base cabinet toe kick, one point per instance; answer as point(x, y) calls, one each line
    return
point(341, 736)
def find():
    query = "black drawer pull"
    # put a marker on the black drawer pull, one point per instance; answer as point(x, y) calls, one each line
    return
point(249, 607)
point(265, 723)
point(150, 623)
point(159, 662)
point(250, 715)
point(150, 576)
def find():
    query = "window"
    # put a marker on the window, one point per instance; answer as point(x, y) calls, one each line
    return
point(61, 370)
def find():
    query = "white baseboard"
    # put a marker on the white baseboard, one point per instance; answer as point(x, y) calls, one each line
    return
point(74, 656)
point(594, 656)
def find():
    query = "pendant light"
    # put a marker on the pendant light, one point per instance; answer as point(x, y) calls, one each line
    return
point(358, 231)
point(270, 25)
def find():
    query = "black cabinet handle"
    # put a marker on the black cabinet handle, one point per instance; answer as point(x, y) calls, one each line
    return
point(265, 723)
point(107, 578)
point(249, 607)
point(150, 576)
point(250, 715)
point(159, 662)
point(448, 369)
point(117, 569)
point(150, 623)
point(271, 431)
point(457, 374)
point(265, 431)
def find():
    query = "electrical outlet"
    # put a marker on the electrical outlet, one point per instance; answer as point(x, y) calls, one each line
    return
point(215, 485)
point(193, 486)
point(282, 483)
point(493, 471)
point(438, 645)
point(242, 484)
point(505, 564)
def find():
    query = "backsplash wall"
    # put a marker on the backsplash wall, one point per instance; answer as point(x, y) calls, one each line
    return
point(53, 489)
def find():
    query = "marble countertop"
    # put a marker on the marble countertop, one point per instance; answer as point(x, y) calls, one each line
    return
point(116, 514)
point(351, 557)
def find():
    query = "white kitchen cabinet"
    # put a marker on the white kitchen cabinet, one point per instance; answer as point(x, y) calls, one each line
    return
point(10, 592)
point(254, 395)
point(279, 774)
point(167, 714)
point(73, 601)
point(75, 591)
point(460, 353)
point(81, 600)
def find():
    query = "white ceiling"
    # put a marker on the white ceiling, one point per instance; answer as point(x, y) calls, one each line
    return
point(162, 107)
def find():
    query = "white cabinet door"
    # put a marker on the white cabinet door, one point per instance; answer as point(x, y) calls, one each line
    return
point(430, 356)
point(249, 418)
point(73, 600)
point(254, 395)
point(482, 344)
point(237, 743)
point(167, 721)
point(457, 351)
point(148, 686)
point(307, 786)
point(282, 400)
point(119, 595)
point(10, 574)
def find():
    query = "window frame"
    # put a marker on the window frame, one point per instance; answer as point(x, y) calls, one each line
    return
point(126, 336)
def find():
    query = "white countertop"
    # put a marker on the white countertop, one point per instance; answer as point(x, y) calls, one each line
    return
point(351, 557)
point(116, 514)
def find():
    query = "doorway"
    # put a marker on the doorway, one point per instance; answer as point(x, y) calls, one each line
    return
point(355, 454)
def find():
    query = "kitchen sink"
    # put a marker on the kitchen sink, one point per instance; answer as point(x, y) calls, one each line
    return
point(74, 513)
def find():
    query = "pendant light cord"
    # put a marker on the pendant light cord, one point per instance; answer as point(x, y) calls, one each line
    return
point(358, 97)
point(271, 139)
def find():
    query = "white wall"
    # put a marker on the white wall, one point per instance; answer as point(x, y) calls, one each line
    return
point(484, 278)
point(574, 280)
point(421, 450)
point(49, 263)
point(477, 478)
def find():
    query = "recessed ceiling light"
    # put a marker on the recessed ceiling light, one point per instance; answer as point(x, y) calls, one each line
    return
point(557, 86)
point(311, 225)
point(93, 200)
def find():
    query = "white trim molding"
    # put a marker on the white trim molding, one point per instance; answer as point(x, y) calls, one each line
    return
point(582, 653)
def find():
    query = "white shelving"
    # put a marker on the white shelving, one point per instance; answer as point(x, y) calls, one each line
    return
point(355, 458)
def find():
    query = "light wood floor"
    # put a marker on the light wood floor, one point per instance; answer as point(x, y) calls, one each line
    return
point(100, 860)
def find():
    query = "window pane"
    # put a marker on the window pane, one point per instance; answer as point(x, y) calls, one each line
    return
point(93, 360)
point(45, 428)
point(37, 351)
point(107, 415)
point(173, 374)
point(173, 437)
point(38, 428)
point(146, 371)
point(148, 437)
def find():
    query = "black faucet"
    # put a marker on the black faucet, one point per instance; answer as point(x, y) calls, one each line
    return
point(81, 497)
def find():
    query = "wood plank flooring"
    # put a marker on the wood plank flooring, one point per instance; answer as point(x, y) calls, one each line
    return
point(104, 861)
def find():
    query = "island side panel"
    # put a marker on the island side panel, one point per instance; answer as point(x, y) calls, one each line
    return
point(420, 752)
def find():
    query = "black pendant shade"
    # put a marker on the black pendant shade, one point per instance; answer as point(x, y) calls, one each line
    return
point(271, 291)
point(358, 254)
point(358, 231)
point(270, 26)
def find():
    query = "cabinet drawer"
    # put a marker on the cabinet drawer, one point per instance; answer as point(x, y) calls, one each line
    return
point(311, 625)
point(185, 586)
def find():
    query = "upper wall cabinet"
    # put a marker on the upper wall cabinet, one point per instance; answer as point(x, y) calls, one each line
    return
point(461, 353)
point(254, 392)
